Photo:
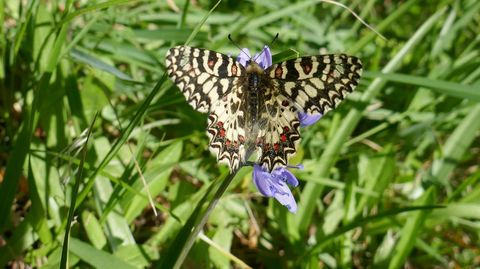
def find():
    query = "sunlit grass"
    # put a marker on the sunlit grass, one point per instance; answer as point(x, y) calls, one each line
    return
point(391, 177)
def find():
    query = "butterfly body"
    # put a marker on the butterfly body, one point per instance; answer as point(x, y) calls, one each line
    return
point(251, 109)
point(254, 85)
point(254, 101)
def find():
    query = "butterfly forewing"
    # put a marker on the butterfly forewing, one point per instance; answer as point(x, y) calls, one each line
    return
point(203, 76)
point(316, 84)
point(251, 108)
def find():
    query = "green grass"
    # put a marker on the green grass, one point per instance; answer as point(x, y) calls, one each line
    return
point(391, 177)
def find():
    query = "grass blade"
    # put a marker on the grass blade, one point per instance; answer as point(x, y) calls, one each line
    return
point(71, 211)
point(440, 86)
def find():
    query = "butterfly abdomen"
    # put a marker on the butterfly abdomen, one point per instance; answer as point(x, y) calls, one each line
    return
point(254, 90)
point(253, 96)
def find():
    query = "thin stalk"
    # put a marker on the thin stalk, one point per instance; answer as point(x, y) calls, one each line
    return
point(198, 228)
point(76, 187)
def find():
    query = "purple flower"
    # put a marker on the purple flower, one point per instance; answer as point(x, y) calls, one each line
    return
point(275, 184)
point(308, 119)
point(264, 59)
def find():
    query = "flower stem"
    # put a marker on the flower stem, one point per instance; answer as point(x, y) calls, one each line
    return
point(201, 223)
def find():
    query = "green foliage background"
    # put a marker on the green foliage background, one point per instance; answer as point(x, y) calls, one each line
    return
point(390, 178)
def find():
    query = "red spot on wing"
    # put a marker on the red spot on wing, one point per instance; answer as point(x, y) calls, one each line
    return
point(307, 68)
point(220, 124)
point(259, 142)
point(228, 142)
point(283, 137)
point(234, 70)
point(276, 147)
point(278, 72)
point(266, 147)
point(211, 63)
point(286, 129)
point(222, 133)
point(285, 103)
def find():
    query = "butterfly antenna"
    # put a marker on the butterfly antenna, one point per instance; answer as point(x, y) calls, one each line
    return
point(273, 40)
point(236, 45)
point(271, 43)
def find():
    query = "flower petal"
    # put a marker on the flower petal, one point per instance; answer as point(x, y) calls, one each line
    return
point(244, 57)
point(275, 185)
point(286, 176)
point(285, 197)
point(308, 119)
point(264, 59)
point(263, 181)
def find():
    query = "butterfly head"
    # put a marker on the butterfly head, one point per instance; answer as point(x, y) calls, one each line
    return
point(262, 59)
point(254, 67)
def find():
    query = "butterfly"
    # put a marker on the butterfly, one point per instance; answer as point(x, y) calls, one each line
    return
point(254, 109)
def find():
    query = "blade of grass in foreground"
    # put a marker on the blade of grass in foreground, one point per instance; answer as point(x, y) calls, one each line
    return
point(440, 86)
point(197, 29)
point(299, 223)
point(78, 178)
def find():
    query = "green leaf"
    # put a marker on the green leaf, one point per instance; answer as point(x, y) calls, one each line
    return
point(444, 87)
point(93, 230)
point(98, 64)
point(137, 255)
point(97, 258)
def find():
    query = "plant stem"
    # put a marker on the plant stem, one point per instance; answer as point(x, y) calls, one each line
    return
point(199, 226)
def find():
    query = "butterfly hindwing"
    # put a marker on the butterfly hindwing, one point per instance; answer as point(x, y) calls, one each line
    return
point(278, 138)
point(317, 84)
point(227, 129)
